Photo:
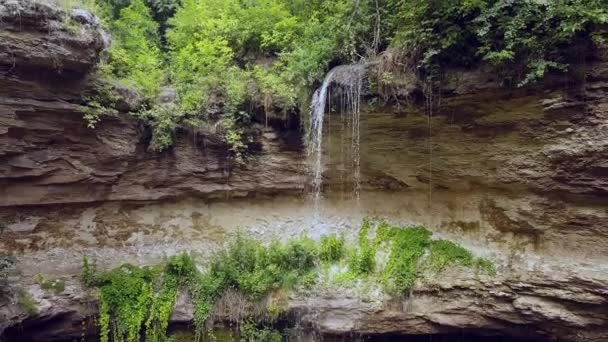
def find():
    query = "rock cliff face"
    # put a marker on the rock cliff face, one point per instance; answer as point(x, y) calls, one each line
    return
point(517, 175)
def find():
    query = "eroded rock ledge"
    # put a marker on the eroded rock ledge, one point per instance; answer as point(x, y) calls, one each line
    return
point(41, 35)
point(551, 306)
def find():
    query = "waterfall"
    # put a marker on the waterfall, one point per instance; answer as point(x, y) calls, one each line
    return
point(347, 81)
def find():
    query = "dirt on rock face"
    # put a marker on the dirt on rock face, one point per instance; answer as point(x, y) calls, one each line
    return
point(516, 175)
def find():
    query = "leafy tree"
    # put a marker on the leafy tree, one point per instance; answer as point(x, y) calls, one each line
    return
point(527, 38)
point(230, 58)
point(135, 57)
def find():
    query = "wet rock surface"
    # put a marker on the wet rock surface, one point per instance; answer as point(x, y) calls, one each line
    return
point(516, 175)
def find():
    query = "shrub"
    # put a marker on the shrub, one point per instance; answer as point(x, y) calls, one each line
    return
point(135, 56)
point(331, 248)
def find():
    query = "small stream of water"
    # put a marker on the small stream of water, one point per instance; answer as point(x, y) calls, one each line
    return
point(345, 83)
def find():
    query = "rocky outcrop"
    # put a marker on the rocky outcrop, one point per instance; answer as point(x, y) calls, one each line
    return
point(531, 308)
point(41, 35)
point(49, 156)
point(527, 307)
point(516, 175)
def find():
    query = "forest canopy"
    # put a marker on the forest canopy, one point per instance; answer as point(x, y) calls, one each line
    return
point(228, 58)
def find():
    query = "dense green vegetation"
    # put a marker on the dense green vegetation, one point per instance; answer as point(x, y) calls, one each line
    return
point(231, 59)
point(135, 300)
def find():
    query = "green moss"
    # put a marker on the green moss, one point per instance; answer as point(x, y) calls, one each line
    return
point(26, 302)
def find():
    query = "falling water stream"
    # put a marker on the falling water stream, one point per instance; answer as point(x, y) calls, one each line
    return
point(344, 83)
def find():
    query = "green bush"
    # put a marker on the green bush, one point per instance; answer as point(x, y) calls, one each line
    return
point(362, 260)
point(135, 56)
point(445, 253)
point(407, 247)
point(331, 248)
point(524, 39)
point(125, 296)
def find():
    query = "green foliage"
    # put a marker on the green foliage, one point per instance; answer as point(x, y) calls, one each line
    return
point(135, 56)
point(362, 261)
point(525, 39)
point(26, 302)
point(255, 269)
point(125, 296)
point(234, 133)
point(406, 248)
point(273, 89)
point(55, 286)
point(89, 272)
point(485, 265)
point(180, 271)
point(331, 248)
point(101, 101)
point(163, 119)
point(251, 333)
point(139, 300)
point(230, 56)
point(445, 253)
point(135, 298)
point(406, 253)
point(204, 38)
point(231, 59)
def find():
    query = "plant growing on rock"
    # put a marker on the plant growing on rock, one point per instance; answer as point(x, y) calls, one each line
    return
point(55, 286)
point(140, 299)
